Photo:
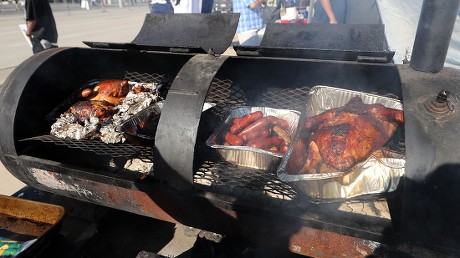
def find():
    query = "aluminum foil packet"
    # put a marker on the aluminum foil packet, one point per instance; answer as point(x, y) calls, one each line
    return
point(66, 125)
point(380, 173)
point(248, 156)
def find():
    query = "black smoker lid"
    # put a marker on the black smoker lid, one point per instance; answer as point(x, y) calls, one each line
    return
point(183, 32)
point(345, 42)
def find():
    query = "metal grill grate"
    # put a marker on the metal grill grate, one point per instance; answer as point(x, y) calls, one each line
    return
point(286, 98)
point(117, 150)
point(221, 176)
point(146, 77)
point(98, 147)
point(226, 95)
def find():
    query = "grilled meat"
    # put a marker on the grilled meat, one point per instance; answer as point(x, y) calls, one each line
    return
point(85, 109)
point(341, 137)
point(111, 91)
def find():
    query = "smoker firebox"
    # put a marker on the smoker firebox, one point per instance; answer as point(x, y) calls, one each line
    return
point(189, 182)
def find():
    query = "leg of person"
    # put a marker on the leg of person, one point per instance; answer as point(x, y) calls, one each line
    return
point(320, 15)
point(245, 37)
point(206, 6)
point(340, 10)
point(36, 45)
point(46, 44)
point(162, 8)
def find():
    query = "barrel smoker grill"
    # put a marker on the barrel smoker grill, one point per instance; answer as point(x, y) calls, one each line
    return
point(190, 183)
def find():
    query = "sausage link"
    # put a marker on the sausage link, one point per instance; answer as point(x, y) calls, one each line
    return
point(252, 135)
point(278, 121)
point(86, 92)
point(237, 120)
point(258, 125)
point(265, 142)
point(245, 121)
point(233, 139)
point(256, 134)
point(265, 132)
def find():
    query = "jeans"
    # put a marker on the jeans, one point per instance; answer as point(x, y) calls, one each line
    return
point(161, 8)
point(339, 8)
point(39, 45)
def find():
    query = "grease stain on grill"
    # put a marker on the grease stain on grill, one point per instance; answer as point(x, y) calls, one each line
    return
point(56, 181)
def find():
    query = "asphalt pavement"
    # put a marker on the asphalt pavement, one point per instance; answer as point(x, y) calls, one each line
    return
point(75, 25)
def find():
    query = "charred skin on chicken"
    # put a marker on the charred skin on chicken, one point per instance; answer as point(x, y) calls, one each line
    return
point(101, 100)
point(339, 138)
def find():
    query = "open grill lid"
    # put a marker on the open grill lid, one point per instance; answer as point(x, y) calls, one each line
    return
point(343, 42)
point(181, 33)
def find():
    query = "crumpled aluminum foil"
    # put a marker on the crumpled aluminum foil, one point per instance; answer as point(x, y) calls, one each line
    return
point(66, 126)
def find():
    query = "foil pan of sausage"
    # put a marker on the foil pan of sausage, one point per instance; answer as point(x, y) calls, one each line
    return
point(255, 137)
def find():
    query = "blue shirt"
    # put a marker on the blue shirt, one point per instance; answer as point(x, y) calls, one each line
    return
point(250, 19)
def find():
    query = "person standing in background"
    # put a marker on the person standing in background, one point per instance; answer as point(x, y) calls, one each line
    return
point(187, 6)
point(41, 26)
point(330, 11)
point(251, 24)
point(206, 6)
point(161, 6)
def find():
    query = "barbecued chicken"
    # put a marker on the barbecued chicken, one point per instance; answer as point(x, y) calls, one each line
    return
point(341, 137)
point(85, 109)
point(111, 91)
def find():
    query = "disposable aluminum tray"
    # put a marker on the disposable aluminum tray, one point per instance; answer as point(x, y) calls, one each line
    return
point(375, 175)
point(249, 156)
point(142, 126)
point(28, 222)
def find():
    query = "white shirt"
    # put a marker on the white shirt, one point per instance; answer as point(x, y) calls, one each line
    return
point(188, 6)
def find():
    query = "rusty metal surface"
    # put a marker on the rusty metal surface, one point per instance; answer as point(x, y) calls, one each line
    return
point(41, 213)
point(267, 225)
point(24, 220)
point(319, 243)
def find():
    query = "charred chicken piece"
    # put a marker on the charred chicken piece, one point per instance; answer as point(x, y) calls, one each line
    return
point(110, 91)
point(342, 137)
point(85, 109)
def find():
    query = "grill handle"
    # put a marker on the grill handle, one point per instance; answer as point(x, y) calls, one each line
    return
point(177, 129)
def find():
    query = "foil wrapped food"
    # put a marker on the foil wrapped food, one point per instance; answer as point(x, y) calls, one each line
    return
point(69, 126)
point(249, 156)
point(379, 173)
